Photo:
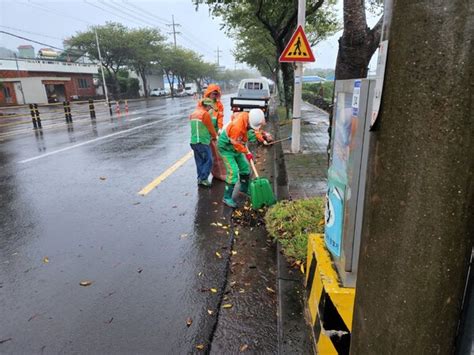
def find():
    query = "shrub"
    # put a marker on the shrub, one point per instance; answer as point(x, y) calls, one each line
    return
point(290, 222)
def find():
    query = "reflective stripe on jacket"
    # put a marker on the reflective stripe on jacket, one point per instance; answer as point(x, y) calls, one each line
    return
point(202, 130)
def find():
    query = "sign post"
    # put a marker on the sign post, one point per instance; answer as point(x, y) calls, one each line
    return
point(297, 50)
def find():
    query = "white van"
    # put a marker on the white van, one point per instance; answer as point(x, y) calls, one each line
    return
point(257, 88)
point(190, 89)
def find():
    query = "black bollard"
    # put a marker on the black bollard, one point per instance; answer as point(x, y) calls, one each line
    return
point(65, 111)
point(92, 109)
point(69, 114)
point(33, 116)
point(37, 115)
point(110, 109)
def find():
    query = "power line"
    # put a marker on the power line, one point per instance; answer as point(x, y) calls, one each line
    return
point(48, 10)
point(31, 40)
point(31, 33)
point(130, 15)
point(140, 12)
point(111, 13)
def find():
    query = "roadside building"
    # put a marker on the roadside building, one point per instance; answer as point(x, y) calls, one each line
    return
point(25, 81)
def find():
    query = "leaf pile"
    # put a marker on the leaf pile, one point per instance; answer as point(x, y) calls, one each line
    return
point(290, 222)
point(245, 216)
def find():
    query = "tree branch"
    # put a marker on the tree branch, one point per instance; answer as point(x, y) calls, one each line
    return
point(311, 10)
point(374, 35)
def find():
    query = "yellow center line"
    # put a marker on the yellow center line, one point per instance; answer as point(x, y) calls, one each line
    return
point(166, 174)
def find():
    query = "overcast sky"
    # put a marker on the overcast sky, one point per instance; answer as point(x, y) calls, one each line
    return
point(51, 21)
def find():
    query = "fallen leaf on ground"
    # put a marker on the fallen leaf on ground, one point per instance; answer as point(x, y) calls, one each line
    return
point(214, 224)
point(184, 235)
point(211, 312)
point(215, 203)
point(236, 232)
point(140, 270)
point(244, 348)
point(218, 255)
point(102, 178)
point(45, 260)
point(200, 274)
point(241, 290)
point(219, 224)
point(321, 222)
point(227, 305)
point(85, 283)
point(200, 347)
point(213, 290)
point(234, 252)
point(189, 321)
point(232, 284)
point(269, 289)
point(302, 268)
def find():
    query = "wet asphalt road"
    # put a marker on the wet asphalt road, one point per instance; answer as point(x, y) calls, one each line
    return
point(71, 212)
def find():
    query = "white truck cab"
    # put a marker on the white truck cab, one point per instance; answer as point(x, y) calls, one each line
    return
point(252, 93)
point(257, 88)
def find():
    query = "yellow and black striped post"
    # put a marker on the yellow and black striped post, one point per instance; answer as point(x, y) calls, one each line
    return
point(92, 109)
point(330, 305)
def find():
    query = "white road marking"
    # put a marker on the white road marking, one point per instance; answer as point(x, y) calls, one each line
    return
point(96, 140)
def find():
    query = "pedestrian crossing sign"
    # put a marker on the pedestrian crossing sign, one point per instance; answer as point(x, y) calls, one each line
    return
point(298, 49)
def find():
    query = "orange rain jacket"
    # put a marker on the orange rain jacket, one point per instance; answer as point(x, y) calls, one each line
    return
point(236, 131)
point(259, 133)
point(202, 115)
point(219, 105)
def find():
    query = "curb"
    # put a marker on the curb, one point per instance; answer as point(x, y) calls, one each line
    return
point(294, 336)
point(331, 306)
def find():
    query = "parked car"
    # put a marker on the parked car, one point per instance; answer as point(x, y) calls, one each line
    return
point(158, 92)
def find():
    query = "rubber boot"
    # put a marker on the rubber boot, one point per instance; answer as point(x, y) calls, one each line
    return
point(229, 189)
point(244, 184)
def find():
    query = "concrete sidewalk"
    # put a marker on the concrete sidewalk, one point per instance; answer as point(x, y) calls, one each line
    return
point(301, 175)
point(307, 170)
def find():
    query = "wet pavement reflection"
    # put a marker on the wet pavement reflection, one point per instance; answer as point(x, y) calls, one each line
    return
point(155, 267)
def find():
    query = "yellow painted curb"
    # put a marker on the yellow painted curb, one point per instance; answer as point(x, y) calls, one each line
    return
point(331, 305)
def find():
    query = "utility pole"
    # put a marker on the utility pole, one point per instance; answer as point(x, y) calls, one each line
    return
point(174, 32)
point(418, 225)
point(296, 121)
point(102, 71)
point(218, 55)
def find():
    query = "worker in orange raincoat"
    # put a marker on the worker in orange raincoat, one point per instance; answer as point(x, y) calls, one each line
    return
point(233, 150)
point(202, 133)
point(213, 92)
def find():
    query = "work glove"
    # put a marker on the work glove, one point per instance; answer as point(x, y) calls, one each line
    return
point(249, 156)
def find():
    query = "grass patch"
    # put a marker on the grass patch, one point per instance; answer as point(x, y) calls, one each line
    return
point(290, 222)
point(281, 111)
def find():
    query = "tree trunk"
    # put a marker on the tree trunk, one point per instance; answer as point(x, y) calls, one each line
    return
point(357, 43)
point(418, 220)
point(145, 86)
point(288, 75)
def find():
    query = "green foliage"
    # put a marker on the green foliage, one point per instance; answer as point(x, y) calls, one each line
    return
point(290, 222)
point(324, 90)
point(262, 28)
